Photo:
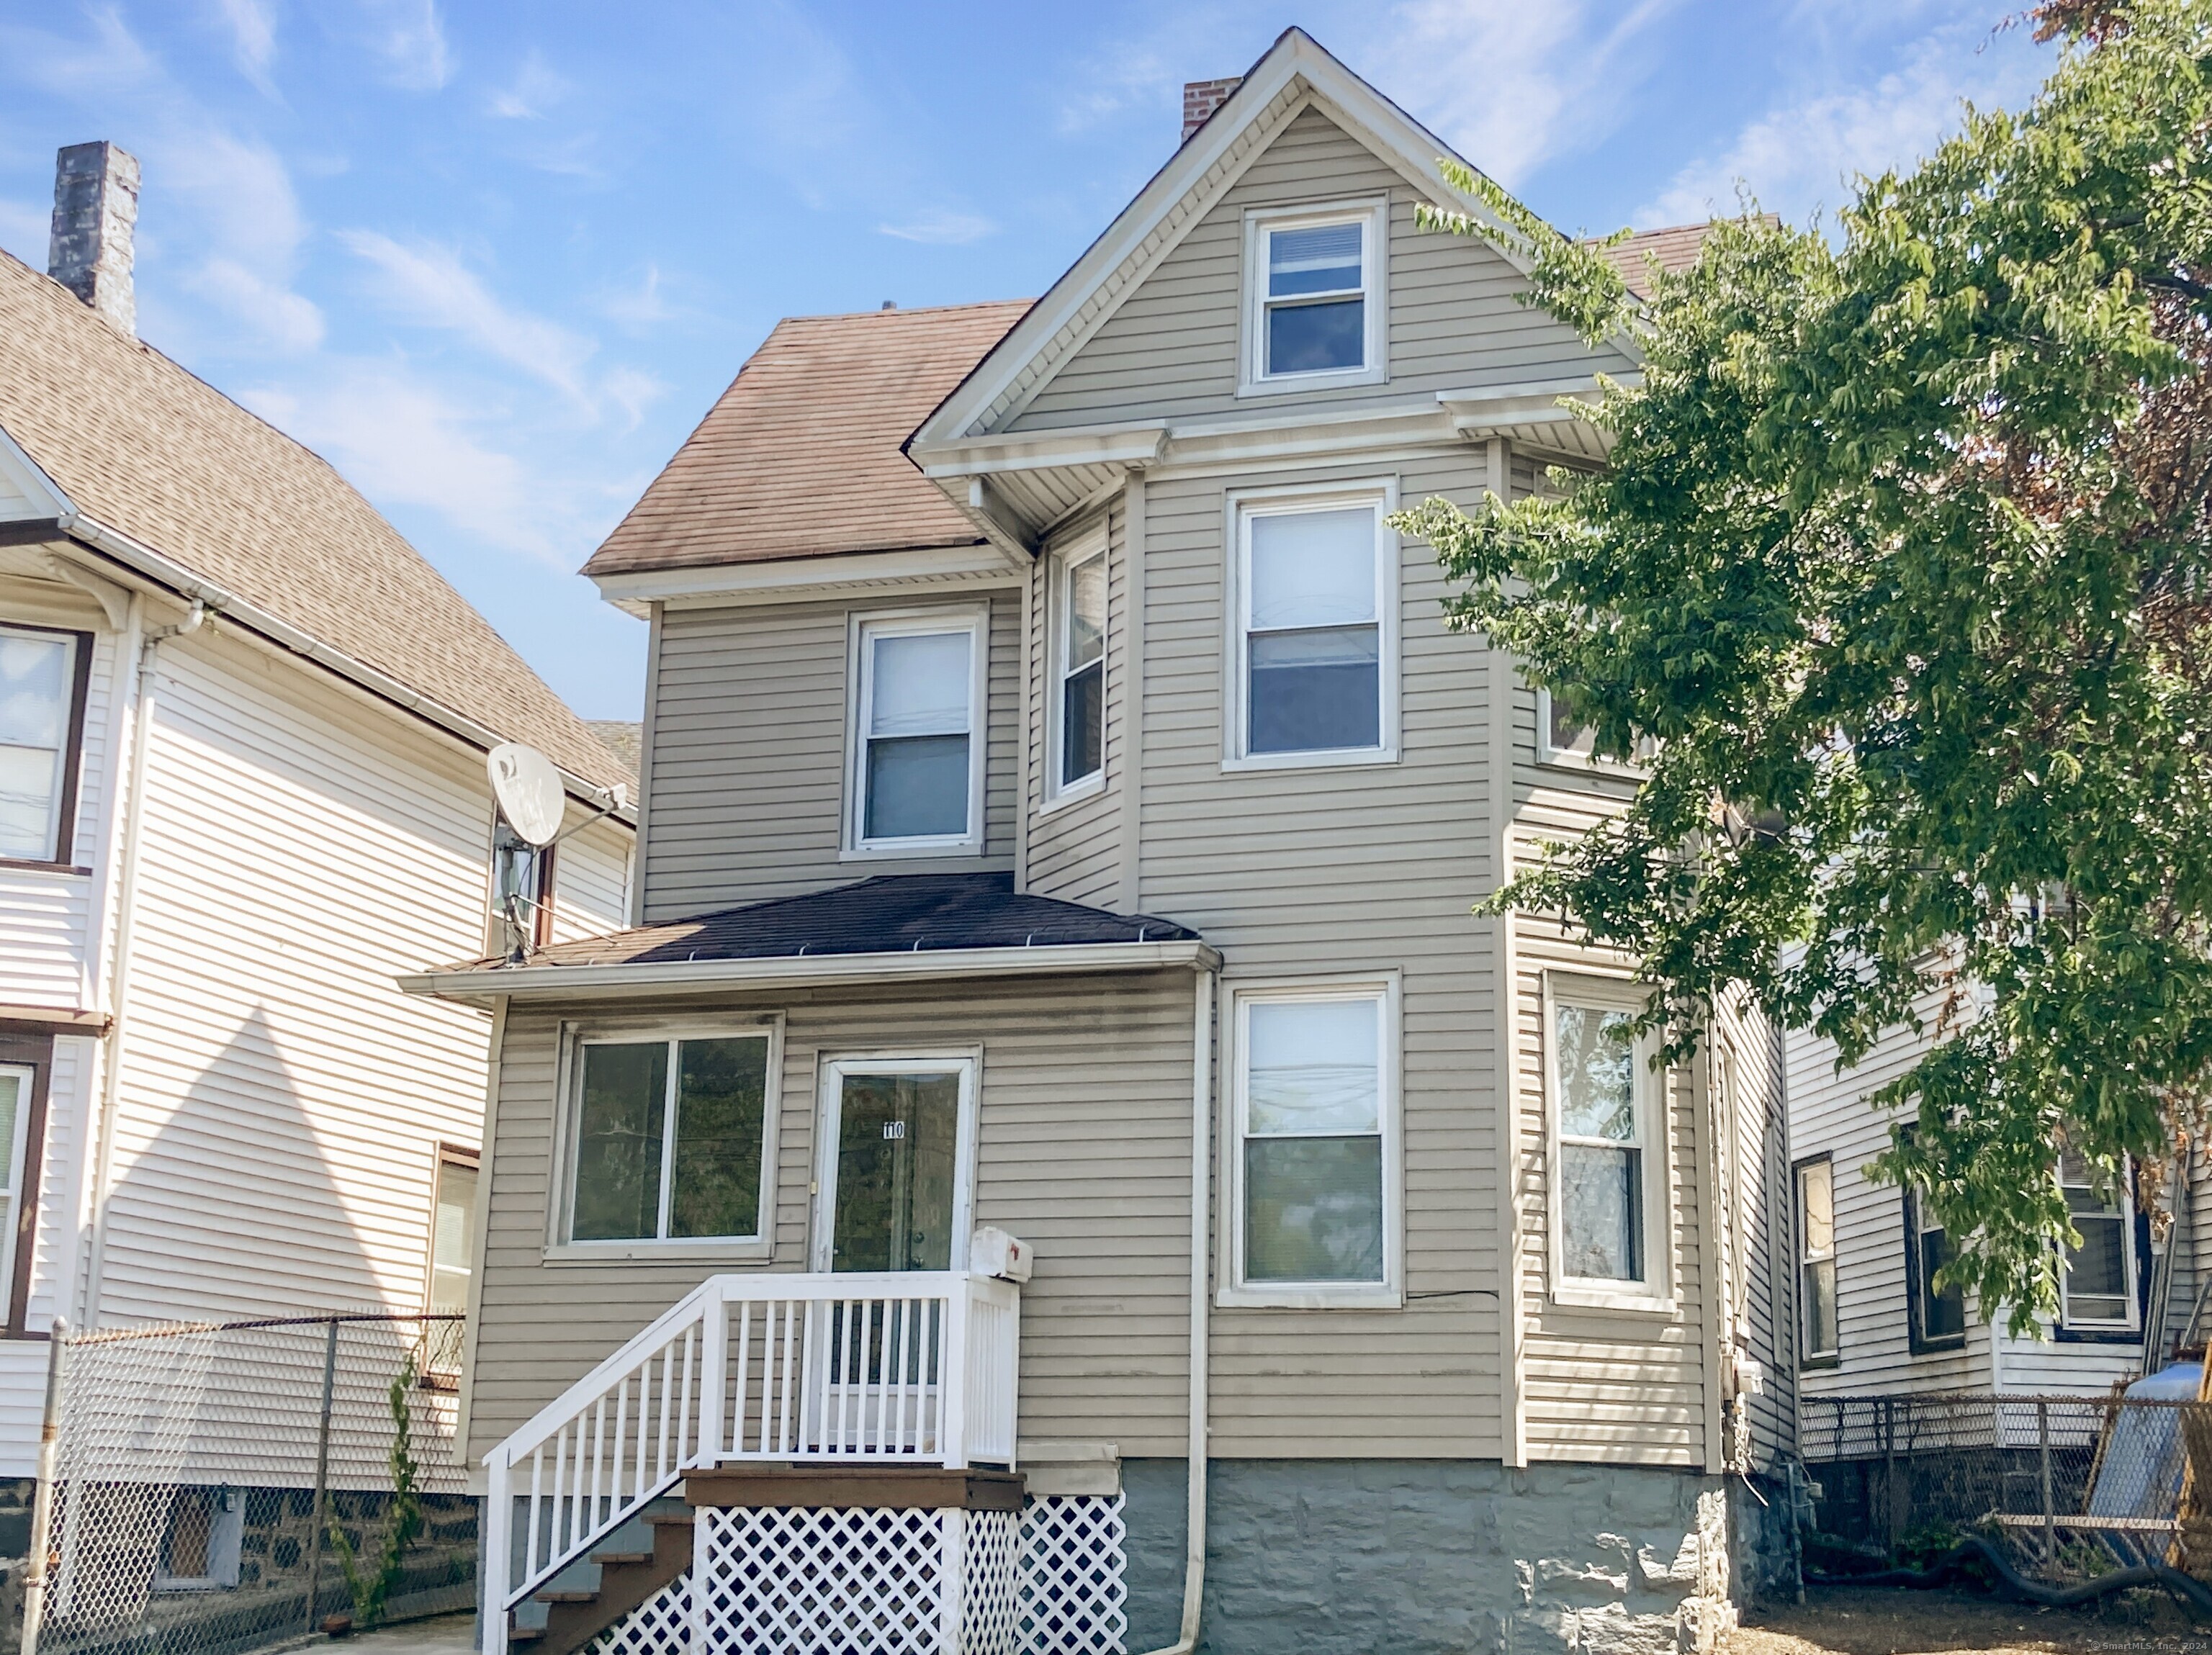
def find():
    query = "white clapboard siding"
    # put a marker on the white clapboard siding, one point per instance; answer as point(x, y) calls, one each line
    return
point(281, 1101)
point(590, 880)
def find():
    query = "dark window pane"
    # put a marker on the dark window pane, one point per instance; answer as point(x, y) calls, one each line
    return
point(1082, 724)
point(1943, 1315)
point(1819, 1293)
point(1601, 1212)
point(618, 1121)
point(2097, 1271)
point(917, 787)
point(1312, 338)
point(897, 1142)
point(721, 1103)
point(1313, 1209)
point(1314, 691)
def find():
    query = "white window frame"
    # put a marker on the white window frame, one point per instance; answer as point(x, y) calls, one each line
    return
point(1373, 212)
point(560, 1246)
point(1060, 574)
point(1244, 505)
point(1389, 1293)
point(1566, 758)
point(863, 626)
point(18, 1153)
point(1655, 1293)
point(1806, 1355)
point(2128, 1324)
point(967, 1063)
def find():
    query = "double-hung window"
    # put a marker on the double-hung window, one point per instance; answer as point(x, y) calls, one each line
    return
point(917, 777)
point(670, 1139)
point(1936, 1318)
point(1818, 1344)
point(1607, 1111)
point(1078, 669)
point(1315, 303)
point(2097, 1289)
point(1317, 636)
point(43, 674)
point(17, 1082)
point(1315, 1106)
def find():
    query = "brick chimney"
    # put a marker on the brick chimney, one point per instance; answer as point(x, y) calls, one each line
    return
point(95, 212)
point(1201, 98)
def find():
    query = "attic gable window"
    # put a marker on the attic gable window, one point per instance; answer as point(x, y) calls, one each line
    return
point(1316, 306)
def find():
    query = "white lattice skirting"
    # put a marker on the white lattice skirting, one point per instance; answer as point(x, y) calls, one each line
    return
point(811, 1581)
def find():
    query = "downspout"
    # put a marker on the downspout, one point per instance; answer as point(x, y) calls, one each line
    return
point(1201, 1171)
point(141, 711)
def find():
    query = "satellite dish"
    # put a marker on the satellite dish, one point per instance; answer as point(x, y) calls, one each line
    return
point(529, 791)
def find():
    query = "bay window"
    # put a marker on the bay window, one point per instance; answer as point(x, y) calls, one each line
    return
point(1317, 638)
point(670, 1139)
point(1315, 1103)
point(917, 757)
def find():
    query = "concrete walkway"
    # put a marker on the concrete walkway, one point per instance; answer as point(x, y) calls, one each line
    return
point(445, 1634)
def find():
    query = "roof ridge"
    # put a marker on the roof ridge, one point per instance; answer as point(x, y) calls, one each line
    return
point(900, 310)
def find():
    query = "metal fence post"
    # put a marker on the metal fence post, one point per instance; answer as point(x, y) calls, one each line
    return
point(42, 1498)
point(1889, 1471)
point(322, 1472)
point(2043, 1449)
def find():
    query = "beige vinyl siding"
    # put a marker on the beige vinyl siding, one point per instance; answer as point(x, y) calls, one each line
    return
point(46, 916)
point(1762, 1226)
point(748, 752)
point(1170, 350)
point(1075, 849)
point(1345, 873)
point(1082, 1151)
point(591, 879)
point(280, 1100)
point(1601, 1384)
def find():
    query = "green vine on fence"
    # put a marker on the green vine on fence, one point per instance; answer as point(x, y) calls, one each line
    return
point(372, 1593)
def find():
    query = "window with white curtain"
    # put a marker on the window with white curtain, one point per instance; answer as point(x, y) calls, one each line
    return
point(1317, 638)
point(917, 746)
point(1314, 1105)
point(40, 688)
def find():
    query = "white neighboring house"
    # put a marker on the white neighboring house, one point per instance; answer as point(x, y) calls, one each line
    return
point(1871, 1323)
point(243, 736)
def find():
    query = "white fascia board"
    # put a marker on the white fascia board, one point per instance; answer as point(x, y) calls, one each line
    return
point(30, 481)
point(786, 576)
point(167, 574)
point(1039, 450)
point(692, 976)
point(1370, 116)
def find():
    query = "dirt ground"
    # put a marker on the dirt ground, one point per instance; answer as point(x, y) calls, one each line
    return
point(1875, 1621)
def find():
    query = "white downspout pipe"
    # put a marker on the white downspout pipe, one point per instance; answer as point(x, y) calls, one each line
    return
point(126, 886)
point(1201, 1170)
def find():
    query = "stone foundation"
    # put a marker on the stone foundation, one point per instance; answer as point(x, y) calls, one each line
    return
point(1451, 1557)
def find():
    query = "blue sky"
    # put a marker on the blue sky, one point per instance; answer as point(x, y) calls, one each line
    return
point(494, 260)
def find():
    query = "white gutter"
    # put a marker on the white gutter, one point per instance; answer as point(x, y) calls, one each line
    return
point(476, 983)
point(1201, 1169)
point(144, 560)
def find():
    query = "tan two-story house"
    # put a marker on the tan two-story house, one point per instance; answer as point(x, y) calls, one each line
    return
point(1054, 1163)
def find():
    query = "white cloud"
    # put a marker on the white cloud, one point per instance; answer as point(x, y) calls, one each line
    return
point(534, 89)
point(632, 391)
point(1801, 156)
point(401, 441)
point(284, 320)
point(941, 229)
point(427, 285)
point(252, 25)
point(641, 307)
point(410, 38)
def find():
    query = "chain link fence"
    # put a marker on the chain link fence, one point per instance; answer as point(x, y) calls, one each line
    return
point(2069, 1487)
point(223, 1488)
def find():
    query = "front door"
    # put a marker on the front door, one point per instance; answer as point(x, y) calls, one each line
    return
point(899, 1140)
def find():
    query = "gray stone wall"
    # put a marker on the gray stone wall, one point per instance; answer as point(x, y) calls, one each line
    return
point(1446, 1557)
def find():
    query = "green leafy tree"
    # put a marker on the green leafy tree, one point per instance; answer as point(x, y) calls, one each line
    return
point(1901, 560)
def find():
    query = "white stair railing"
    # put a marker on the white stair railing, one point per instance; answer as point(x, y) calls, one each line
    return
point(914, 1367)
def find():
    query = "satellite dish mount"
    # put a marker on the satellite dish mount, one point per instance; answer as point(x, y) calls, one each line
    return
point(533, 800)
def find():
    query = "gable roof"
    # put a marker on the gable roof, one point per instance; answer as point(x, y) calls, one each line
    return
point(799, 457)
point(1293, 70)
point(137, 445)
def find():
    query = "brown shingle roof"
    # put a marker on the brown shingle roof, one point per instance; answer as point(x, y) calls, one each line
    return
point(801, 454)
point(145, 448)
point(1671, 251)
